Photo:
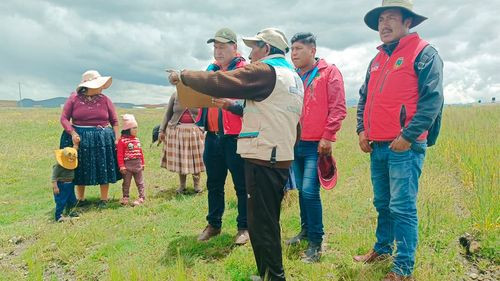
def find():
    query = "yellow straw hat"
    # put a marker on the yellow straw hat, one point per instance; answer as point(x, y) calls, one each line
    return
point(67, 157)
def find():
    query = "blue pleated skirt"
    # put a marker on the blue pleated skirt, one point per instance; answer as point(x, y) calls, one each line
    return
point(97, 162)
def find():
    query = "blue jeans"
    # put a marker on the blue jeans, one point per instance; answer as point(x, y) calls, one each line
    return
point(305, 168)
point(395, 187)
point(219, 157)
point(66, 198)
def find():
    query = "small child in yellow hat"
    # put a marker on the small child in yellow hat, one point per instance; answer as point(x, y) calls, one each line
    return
point(63, 173)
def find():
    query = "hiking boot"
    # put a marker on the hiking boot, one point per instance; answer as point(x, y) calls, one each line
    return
point(392, 276)
point(313, 253)
point(371, 257)
point(242, 237)
point(208, 233)
point(299, 237)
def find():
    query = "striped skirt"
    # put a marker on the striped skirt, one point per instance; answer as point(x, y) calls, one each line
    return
point(183, 149)
point(97, 162)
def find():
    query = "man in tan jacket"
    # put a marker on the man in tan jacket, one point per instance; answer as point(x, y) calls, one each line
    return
point(273, 94)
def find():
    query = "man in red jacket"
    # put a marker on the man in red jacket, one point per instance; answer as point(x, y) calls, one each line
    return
point(398, 117)
point(321, 118)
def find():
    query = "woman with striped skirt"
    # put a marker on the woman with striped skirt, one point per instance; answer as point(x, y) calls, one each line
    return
point(183, 143)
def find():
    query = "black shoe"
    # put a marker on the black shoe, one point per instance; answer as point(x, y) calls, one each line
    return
point(74, 214)
point(313, 253)
point(102, 204)
point(299, 237)
point(81, 203)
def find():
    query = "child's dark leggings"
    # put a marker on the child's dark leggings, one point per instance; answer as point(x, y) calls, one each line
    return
point(66, 197)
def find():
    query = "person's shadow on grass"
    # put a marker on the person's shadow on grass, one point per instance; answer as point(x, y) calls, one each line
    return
point(168, 194)
point(188, 248)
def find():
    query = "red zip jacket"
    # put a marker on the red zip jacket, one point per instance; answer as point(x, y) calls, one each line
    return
point(393, 83)
point(128, 148)
point(324, 103)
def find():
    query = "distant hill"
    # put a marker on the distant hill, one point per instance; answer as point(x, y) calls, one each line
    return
point(57, 102)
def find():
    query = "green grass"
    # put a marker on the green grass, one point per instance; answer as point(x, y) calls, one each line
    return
point(459, 193)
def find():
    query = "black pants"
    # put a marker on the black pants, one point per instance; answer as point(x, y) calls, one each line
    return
point(219, 157)
point(265, 188)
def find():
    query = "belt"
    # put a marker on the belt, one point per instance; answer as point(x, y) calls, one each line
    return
point(379, 143)
point(97, 127)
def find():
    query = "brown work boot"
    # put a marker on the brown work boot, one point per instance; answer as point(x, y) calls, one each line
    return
point(242, 237)
point(208, 233)
point(196, 183)
point(392, 276)
point(371, 257)
point(182, 184)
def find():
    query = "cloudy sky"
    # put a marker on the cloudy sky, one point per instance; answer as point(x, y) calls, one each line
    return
point(47, 45)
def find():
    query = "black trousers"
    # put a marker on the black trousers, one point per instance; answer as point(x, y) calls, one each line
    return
point(219, 157)
point(265, 188)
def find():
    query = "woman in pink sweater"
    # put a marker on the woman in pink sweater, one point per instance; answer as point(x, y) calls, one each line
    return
point(90, 122)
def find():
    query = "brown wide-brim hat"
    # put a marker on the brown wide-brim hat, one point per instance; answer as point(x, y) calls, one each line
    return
point(371, 18)
point(93, 80)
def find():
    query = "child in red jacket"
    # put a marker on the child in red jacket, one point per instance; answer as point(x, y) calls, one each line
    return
point(130, 159)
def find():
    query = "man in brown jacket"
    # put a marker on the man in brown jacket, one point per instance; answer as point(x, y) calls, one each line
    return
point(273, 94)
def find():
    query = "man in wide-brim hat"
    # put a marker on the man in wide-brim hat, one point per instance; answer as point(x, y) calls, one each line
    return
point(399, 115)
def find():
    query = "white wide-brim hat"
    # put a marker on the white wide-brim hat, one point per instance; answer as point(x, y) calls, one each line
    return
point(93, 80)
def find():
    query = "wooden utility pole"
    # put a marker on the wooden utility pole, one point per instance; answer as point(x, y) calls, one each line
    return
point(20, 96)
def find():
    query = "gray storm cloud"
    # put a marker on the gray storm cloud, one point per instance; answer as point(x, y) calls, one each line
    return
point(46, 45)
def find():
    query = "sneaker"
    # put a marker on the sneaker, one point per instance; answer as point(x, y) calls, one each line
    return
point(102, 204)
point(62, 219)
point(313, 253)
point(208, 233)
point(242, 237)
point(138, 202)
point(124, 201)
point(74, 215)
point(299, 237)
point(255, 278)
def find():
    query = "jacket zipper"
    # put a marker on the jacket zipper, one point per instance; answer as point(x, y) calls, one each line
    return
point(373, 96)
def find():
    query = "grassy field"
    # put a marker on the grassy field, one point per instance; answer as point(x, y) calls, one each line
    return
point(459, 192)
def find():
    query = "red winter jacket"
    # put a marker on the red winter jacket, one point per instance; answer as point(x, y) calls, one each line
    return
point(393, 83)
point(324, 103)
point(128, 148)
